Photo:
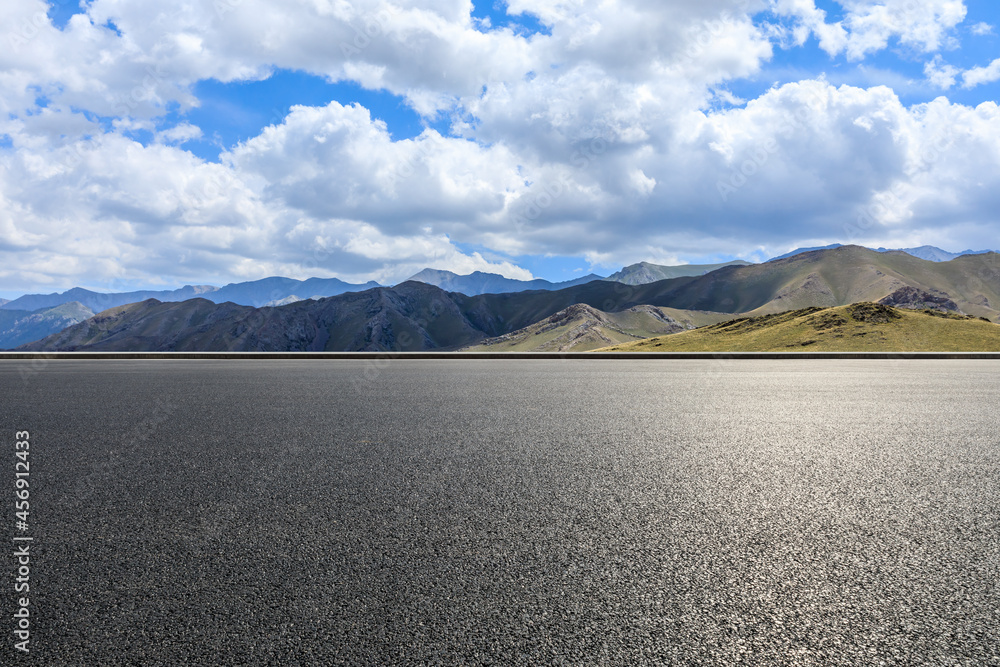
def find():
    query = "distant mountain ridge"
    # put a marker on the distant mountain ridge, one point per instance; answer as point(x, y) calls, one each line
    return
point(928, 252)
point(280, 291)
point(477, 283)
point(254, 293)
point(258, 293)
point(644, 273)
point(417, 316)
point(411, 316)
point(98, 301)
point(18, 327)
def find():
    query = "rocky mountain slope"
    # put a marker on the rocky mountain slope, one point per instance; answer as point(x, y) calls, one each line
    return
point(915, 299)
point(258, 293)
point(491, 283)
point(411, 316)
point(18, 327)
point(580, 328)
point(416, 316)
point(644, 273)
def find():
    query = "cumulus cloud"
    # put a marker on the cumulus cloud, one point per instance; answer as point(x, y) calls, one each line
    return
point(980, 75)
point(110, 208)
point(336, 162)
point(940, 74)
point(869, 25)
point(611, 136)
point(944, 76)
point(179, 134)
point(981, 29)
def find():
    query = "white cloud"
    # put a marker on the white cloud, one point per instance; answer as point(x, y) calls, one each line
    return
point(869, 25)
point(940, 74)
point(335, 161)
point(980, 75)
point(596, 140)
point(94, 211)
point(944, 76)
point(833, 38)
point(924, 25)
point(179, 134)
point(981, 29)
point(430, 52)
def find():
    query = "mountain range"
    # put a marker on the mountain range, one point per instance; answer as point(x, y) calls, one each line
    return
point(582, 328)
point(644, 272)
point(928, 252)
point(417, 316)
point(478, 282)
point(255, 293)
point(277, 291)
point(18, 327)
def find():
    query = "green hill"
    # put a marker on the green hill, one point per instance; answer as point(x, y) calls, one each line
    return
point(861, 327)
point(838, 277)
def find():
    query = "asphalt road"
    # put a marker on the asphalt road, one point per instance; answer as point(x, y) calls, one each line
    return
point(517, 512)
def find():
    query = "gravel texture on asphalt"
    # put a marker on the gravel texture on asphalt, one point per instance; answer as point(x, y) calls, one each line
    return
point(519, 512)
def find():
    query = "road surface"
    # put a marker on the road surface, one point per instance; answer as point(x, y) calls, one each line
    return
point(508, 512)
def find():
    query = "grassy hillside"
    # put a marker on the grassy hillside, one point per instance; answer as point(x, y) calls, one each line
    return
point(824, 278)
point(581, 328)
point(861, 327)
point(839, 277)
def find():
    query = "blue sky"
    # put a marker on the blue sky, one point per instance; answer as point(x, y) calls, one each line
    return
point(229, 113)
point(152, 146)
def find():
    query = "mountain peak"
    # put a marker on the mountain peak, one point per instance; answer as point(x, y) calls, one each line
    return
point(479, 282)
point(647, 272)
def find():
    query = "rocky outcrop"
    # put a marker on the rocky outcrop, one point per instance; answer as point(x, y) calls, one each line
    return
point(917, 299)
point(872, 313)
point(584, 327)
